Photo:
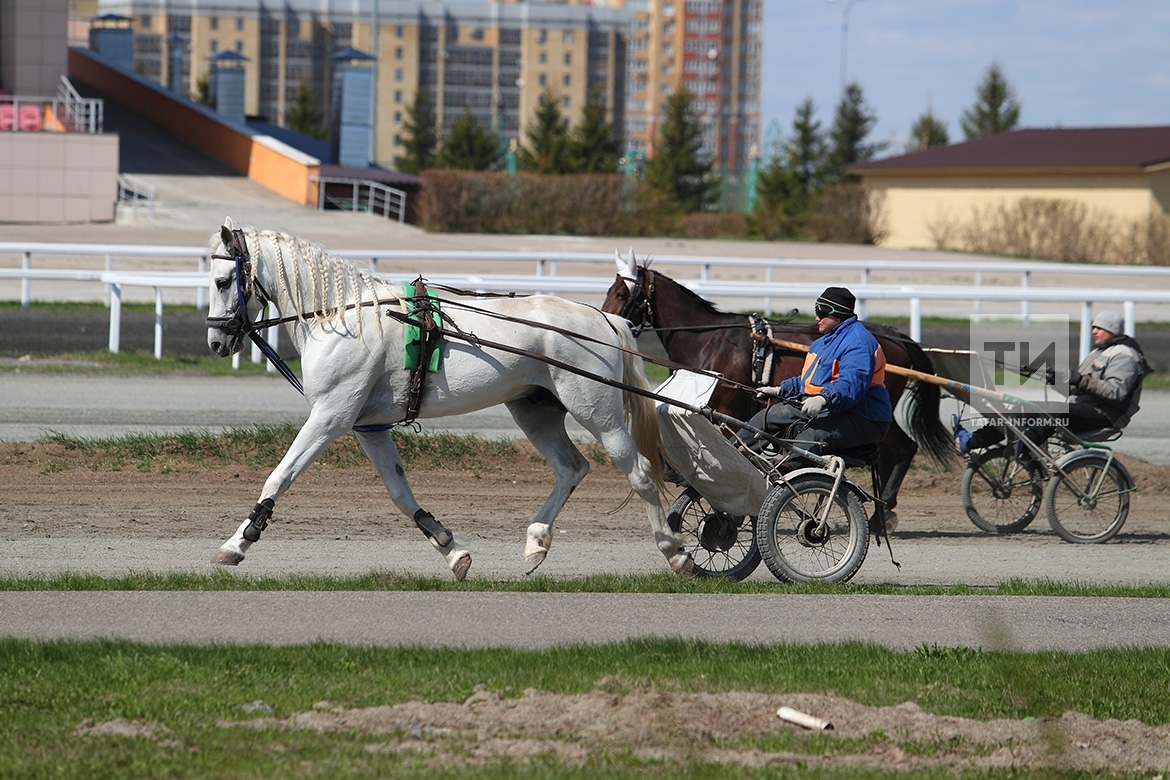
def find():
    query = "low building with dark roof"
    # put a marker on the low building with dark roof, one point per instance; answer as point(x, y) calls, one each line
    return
point(1122, 172)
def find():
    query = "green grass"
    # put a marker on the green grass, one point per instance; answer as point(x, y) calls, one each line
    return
point(189, 695)
point(660, 582)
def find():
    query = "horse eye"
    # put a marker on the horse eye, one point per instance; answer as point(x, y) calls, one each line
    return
point(222, 284)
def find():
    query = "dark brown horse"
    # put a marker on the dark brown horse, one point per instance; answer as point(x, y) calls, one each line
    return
point(696, 334)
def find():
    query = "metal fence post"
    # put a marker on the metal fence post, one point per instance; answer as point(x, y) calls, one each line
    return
point(115, 317)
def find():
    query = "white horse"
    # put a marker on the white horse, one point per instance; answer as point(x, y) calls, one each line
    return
point(348, 327)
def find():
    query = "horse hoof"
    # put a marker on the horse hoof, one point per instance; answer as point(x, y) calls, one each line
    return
point(533, 561)
point(460, 568)
point(891, 521)
point(227, 558)
point(683, 564)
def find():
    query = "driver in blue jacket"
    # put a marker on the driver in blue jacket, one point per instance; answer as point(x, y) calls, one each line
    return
point(841, 389)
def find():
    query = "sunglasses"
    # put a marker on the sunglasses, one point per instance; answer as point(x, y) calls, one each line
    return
point(822, 310)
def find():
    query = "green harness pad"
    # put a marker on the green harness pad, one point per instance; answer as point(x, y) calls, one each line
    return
point(412, 334)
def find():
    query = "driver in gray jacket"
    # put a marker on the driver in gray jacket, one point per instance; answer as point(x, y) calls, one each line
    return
point(1104, 390)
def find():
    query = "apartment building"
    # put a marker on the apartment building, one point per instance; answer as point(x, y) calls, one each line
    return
point(711, 48)
point(492, 60)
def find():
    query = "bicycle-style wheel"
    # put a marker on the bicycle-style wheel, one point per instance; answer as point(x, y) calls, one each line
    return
point(721, 545)
point(1089, 502)
point(1000, 492)
point(802, 542)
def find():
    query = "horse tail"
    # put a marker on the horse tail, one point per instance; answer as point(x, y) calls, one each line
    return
point(922, 409)
point(639, 409)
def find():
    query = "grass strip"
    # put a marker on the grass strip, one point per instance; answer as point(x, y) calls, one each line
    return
point(189, 697)
point(659, 582)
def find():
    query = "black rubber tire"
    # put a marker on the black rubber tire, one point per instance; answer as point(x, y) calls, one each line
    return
point(720, 544)
point(789, 508)
point(1000, 493)
point(1094, 520)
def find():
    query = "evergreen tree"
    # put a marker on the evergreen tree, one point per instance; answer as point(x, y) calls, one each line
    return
point(203, 91)
point(468, 146)
point(677, 168)
point(547, 139)
point(419, 137)
point(851, 124)
point(304, 115)
point(593, 145)
point(996, 109)
point(792, 176)
point(927, 131)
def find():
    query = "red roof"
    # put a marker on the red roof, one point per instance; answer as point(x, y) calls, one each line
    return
point(1126, 147)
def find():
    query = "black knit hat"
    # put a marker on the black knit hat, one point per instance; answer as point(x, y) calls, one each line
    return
point(835, 302)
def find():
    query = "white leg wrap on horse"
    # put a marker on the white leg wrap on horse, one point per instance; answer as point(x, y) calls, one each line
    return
point(231, 552)
point(458, 559)
point(536, 549)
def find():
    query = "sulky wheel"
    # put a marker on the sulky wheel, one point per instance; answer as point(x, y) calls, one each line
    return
point(1002, 492)
point(800, 542)
point(720, 544)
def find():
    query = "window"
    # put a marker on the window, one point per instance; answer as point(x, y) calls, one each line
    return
point(239, 47)
point(543, 58)
point(398, 74)
point(566, 79)
point(214, 46)
point(542, 36)
point(568, 58)
point(397, 117)
point(568, 38)
point(542, 80)
point(565, 100)
point(239, 23)
point(397, 96)
point(398, 31)
point(146, 21)
point(398, 53)
point(214, 22)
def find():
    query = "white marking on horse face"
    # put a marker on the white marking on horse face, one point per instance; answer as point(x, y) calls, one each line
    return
point(221, 298)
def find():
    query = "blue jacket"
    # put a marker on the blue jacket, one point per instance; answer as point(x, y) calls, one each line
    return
point(846, 366)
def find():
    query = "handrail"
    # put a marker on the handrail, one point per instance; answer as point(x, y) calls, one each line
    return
point(380, 198)
point(133, 190)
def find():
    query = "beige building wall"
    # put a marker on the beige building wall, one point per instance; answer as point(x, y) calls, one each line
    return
point(58, 177)
point(919, 209)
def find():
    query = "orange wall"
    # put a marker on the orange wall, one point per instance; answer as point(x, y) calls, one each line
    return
point(238, 150)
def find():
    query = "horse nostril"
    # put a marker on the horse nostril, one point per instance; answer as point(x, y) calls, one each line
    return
point(217, 346)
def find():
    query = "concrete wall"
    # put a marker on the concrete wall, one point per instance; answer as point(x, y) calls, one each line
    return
point(58, 177)
point(263, 159)
point(914, 204)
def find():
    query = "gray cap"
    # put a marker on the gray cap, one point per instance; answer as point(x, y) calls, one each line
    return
point(1109, 320)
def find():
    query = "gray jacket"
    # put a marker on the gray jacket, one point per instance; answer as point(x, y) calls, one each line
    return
point(1111, 380)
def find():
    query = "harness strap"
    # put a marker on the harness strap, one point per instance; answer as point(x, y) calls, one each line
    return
point(426, 313)
point(762, 362)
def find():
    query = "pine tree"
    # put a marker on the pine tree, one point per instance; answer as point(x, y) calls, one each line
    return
point(593, 145)
point(677, 168)
point(419, 137)
point(792, 176)
point(996, 109)
point(851, 124)
point(927, 131)
point(304, 115)
point(468, 146)
point(546, 149)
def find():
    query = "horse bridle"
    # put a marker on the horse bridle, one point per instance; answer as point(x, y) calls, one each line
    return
point(237, 322)
point(637, 308)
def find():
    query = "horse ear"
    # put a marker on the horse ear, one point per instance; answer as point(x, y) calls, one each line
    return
point(629, 270)
point(225, 232)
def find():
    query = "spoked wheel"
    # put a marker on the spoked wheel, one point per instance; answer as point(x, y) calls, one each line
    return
point(800, 542)
point(721, 545)
point(1002, 493)
point(1089, 502)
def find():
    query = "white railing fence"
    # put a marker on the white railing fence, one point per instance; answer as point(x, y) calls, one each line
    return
point(1145, 286)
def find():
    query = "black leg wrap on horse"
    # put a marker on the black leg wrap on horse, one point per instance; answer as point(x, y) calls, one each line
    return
point(258, 520)
point(427, 523)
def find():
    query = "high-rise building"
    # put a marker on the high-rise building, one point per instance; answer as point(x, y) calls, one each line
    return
point(711, 48)
point(494, 61)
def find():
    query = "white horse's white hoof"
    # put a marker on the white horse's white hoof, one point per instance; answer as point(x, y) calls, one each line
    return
point(461, 566)
point(683, 564)
point(533, 561)
point(224, 557)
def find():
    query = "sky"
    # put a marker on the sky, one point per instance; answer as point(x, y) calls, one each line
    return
point(1073, 63)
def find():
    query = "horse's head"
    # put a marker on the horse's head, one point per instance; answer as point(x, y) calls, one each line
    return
point(234, 294)
point(629, 295)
